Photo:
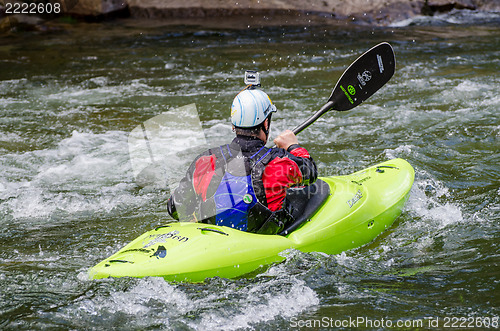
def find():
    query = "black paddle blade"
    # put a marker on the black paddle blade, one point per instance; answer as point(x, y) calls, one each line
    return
point(364, 77)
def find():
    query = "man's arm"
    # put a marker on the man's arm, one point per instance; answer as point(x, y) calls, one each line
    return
point(305, 162)
point(183, 200)
point(288, 141)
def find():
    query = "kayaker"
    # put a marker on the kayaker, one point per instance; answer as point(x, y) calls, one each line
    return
point(243, 184)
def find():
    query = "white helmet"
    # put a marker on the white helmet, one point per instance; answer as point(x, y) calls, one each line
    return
point(250, 108)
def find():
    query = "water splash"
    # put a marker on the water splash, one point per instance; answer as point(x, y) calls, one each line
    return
point(218, 304)
point(85, 173)
point(458, 17)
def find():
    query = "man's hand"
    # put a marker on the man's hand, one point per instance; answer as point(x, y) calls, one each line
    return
point(286, 139)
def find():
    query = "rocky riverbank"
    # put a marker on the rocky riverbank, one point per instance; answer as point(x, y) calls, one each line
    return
point(248, 12)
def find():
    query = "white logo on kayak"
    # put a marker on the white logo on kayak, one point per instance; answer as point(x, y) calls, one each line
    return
point(163, 238)
point(356, 198)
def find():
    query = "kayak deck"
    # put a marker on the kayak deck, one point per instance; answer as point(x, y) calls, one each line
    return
point(359, 207)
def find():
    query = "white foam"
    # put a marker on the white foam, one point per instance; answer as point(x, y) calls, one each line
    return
point(150, 301)
point(259, 303)
point(41, 183)
point(10, 137)
point(429, 206)
point(7, 86)
point(400, 151)
point(136, 300)
point(231, 305)
point(467, 92)
point(97, 90)
point(453, 17)
point(9, 101)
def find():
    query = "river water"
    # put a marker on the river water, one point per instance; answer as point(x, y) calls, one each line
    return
point(68, 199)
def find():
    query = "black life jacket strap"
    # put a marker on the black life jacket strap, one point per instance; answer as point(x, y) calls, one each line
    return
point(258, 164)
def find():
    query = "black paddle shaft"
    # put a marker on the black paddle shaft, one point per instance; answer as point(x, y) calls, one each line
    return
point(362, 79)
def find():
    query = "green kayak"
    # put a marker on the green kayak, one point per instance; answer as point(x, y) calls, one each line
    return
point(336, 214)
